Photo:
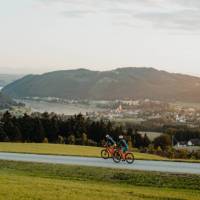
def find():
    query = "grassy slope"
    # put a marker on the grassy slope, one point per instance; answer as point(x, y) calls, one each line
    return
point(46, 181)
point(59, 149)
point(75, 150)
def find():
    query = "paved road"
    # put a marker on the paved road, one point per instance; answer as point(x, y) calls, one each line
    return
point(162, 166)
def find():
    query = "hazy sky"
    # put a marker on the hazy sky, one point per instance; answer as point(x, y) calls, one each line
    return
point(44, 35)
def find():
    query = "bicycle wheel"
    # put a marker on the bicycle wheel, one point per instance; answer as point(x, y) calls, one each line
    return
point(129, 158)
point(116, 157)
point(104, 154)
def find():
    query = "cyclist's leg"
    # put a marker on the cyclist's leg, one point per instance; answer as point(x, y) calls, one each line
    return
point(123, 152)
point(124, 149)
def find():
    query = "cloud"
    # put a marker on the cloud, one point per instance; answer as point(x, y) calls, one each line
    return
point(77, 13)
point(184, 19)
point(161, 14)
point(187, 3)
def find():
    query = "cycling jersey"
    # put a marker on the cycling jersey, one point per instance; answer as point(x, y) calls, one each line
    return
point(123, 145)
point(110, 141)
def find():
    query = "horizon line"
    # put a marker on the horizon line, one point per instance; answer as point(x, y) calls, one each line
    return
point(103, 70)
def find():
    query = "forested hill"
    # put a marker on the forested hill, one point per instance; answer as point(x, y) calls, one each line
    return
point(6, 102)
point(122, 83)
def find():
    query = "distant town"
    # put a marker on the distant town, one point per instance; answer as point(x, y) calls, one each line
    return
point(135, 111)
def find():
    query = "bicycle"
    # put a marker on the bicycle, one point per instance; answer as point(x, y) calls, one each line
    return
point(108, 152)
point(119, 155)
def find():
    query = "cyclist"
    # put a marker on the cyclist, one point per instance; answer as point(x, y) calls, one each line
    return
point(122, 144)
point(110, 141)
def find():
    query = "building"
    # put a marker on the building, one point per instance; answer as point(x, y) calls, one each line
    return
point(194, 142)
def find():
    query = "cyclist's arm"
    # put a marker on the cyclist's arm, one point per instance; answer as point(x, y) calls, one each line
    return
point(125, 144)
point(113, 142)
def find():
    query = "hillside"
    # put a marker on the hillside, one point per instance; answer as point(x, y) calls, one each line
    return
point(122, 83)
point(6, 102)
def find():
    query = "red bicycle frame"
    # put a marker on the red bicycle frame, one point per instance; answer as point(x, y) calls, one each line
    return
point(111, 149)
point(122, 154)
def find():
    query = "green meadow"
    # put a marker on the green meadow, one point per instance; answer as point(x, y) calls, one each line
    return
point(34, 181)
point(59, 149)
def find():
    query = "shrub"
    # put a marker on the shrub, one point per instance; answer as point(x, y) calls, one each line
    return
point(159, 151)
point(151, 149)
point(61, 140)
point(169, 152)
point(84, 139)
point(71, 139)
point(196, 155)
point(182, 153)
point(45, 140)
point(163, 141)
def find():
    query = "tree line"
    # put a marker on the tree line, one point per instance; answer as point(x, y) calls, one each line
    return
point(53, 128)
point(78, 129)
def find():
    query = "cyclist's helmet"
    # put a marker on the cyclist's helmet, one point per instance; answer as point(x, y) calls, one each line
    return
point(121, 137)
point(107, 136)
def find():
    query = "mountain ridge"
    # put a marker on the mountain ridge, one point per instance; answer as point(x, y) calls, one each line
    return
point(120, 83)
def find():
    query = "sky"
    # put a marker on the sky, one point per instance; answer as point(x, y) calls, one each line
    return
point(37, 36)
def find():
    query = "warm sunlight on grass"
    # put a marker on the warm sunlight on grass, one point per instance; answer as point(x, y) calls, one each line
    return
point(60, 149)
point(34, 181)
point(24, 187)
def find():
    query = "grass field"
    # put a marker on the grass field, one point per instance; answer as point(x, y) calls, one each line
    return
point(22, 181)
point(59, 149)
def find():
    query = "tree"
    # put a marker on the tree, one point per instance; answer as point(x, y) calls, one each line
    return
point(137, 140)
point(12, 131)
point(130, 131)
point(97, 131)
point(129, 141)
point(26, 127)
point(50, 125)
point(6, 117)
point(71, 139)
point(3, 136)
point(84, 139)
point(38, 135)
point(163, 141)
point(146, 141)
